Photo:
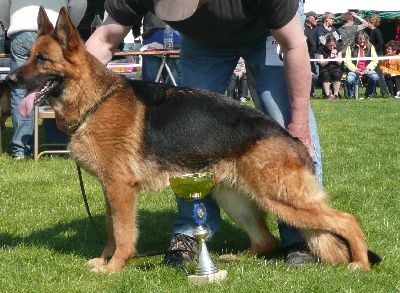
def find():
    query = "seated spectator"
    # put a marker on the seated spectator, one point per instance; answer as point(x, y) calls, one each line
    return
point(238, 80)
point(391, 69)
point(360, 48)
point(329, 71)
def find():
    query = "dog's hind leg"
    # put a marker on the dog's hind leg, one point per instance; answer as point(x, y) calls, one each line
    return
point(279, 173)
point(297, 200)
point(121, 228)
point(247, 215)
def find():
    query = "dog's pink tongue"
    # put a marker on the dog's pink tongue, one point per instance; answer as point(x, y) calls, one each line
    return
point(26, 105)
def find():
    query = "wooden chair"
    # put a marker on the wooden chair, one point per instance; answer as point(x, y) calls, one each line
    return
point(44, 112)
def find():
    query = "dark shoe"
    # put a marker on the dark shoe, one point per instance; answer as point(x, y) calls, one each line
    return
point(61, 155)
point(298, 254)
point(19, 157)
point(336, 97)
point(328, 97)
point(183, 250)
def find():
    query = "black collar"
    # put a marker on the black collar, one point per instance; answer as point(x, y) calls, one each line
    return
point(72, 127)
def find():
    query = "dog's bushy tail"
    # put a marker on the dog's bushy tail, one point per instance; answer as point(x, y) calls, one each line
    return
point(331, 248)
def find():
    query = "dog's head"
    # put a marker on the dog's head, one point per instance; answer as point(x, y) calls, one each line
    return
point(50, 64)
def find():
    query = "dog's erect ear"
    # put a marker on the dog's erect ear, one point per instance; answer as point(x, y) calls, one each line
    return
point(65, 32)
point(44, 24)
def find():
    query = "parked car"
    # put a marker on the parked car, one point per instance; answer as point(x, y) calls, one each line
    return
point(125, 65)
point(4, 67)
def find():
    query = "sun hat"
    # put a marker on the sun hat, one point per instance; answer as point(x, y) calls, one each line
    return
point(175, 10)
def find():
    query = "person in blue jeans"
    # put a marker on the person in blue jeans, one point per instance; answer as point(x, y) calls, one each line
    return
point(291, 239)
point(210, 49)
point(361, 47)
point(21, 142)
point(153, 31)
point(21, 24)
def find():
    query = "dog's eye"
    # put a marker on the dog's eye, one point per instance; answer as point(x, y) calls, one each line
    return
point(40, 59)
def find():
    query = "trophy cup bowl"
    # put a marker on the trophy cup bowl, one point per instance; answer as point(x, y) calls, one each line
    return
point(193, 187)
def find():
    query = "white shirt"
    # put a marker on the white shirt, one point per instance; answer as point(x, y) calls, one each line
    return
point(21, 15)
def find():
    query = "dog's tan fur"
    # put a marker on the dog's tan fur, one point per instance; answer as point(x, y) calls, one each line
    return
point(274, 174)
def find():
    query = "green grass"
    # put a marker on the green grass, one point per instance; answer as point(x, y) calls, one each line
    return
point(46, 236)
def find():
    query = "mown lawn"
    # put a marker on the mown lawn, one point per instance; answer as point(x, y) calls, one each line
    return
point(46, 236)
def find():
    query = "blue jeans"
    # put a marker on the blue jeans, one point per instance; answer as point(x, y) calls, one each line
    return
point(151, 65)
point(21, 143)
point(210, 68)
point(352, 79)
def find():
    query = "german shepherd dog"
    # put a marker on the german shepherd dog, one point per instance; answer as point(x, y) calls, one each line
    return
point(134, 136)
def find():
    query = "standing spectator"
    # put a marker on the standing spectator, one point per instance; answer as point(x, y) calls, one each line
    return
point(210, 49)
point(20, 20)
point(347, 33)
point(325, 28)
point(361, 47)
point(398, 29)
point(238, 80)
point(391, 69)
point(310, 27)
point(376, 39)
point(153, 31)
point(348, 30)
point(330, 70)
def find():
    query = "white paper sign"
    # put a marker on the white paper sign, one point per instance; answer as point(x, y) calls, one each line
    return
point(272, 51)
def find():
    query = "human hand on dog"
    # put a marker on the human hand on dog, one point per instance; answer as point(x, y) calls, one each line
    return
point(302, 132)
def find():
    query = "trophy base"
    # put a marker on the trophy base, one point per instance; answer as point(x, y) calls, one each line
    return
point(218, 276)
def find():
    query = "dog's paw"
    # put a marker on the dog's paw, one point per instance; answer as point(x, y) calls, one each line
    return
point(100, 269)
point(95, 262)
point(106, 269)
point(358, 266)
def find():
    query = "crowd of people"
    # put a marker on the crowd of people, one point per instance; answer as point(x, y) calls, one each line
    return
point(353, 41)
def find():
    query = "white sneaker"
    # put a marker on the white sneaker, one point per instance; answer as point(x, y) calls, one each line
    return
point(243, 100)
point(397, 95)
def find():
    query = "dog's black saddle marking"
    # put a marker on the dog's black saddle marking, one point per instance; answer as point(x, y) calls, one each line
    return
point(194, 128)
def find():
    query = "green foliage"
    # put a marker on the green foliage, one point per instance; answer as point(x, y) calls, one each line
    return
point(46, 236)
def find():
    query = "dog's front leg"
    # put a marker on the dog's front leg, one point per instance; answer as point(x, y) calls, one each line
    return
point(121, 228)
point(110, 246)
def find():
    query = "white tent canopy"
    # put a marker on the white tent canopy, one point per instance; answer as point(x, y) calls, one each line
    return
point(340, 6)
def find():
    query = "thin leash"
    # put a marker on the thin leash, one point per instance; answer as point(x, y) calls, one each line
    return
point(87, 204)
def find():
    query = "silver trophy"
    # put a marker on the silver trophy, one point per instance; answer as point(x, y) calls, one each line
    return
point(194, 187)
